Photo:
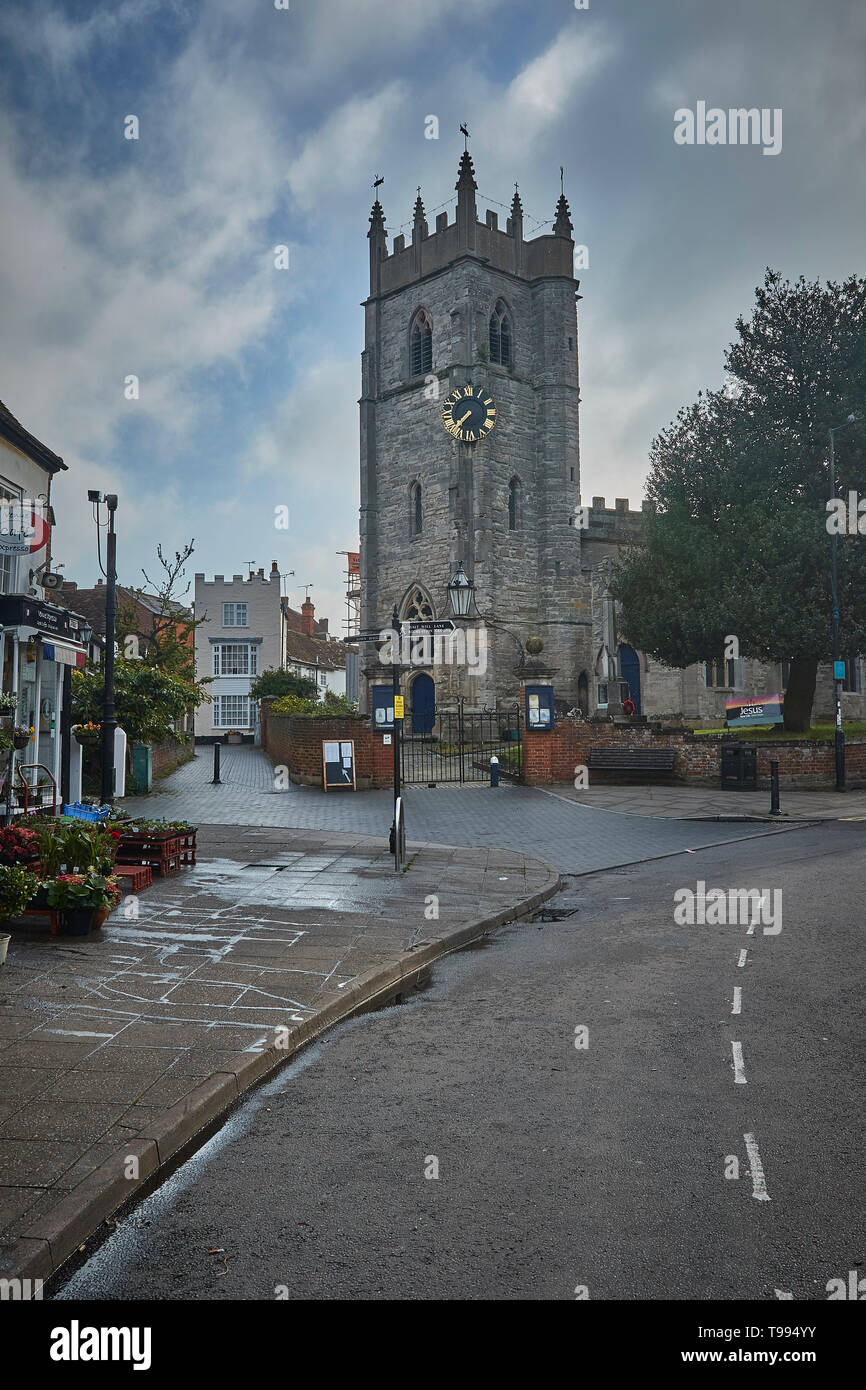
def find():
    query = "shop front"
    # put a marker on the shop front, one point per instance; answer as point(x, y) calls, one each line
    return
point(41, 645)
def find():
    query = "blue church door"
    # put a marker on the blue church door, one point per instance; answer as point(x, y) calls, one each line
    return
point(629, 665)
point(423, 704)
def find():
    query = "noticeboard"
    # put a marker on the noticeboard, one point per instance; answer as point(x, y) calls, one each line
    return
point(338, 764)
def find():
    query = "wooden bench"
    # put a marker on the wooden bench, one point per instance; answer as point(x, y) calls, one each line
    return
point(645, 760)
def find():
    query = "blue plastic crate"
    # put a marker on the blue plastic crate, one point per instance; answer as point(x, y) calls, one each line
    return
point(78, 811)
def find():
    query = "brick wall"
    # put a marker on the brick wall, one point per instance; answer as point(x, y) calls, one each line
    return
point(553, 756)
point(167, 756)
point(295, 742)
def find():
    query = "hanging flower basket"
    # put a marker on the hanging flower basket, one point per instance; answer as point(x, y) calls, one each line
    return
point(87, 735)
point(21, 735)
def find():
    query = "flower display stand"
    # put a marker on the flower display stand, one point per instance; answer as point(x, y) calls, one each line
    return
point(161, 852)
point(138, 876)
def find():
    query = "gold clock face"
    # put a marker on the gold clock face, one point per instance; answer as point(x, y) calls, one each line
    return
point(469, 413)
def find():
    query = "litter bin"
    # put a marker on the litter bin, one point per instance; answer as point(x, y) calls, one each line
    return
point(142, 766)
point(739, 767)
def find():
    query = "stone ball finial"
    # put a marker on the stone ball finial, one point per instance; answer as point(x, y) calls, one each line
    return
point(534, 645)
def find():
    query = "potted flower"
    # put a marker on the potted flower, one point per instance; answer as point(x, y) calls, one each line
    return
point(17, 887)
point(88, 735)
point(7, 709)
point(21, 735)
point(83, 901)
point(18, 844)
point(234, 736)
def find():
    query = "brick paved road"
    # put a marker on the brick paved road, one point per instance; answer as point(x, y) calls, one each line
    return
point(571, 837)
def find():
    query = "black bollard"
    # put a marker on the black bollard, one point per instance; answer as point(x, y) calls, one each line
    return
point(774, 788)
point(216, 764)
point(494, 771)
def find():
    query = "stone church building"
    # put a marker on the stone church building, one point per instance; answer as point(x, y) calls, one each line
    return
point(474, 320)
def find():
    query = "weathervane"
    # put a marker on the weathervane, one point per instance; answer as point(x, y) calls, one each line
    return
point(562, 180)
point(465, 133)
point(378, 181)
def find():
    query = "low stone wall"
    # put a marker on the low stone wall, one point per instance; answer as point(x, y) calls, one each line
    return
point(554, 756)
point(295, 741)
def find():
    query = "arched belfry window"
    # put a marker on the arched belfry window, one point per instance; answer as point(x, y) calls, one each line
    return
point(416, 510)
point(500, 336)
point(417, 605)
point(514, 504)
point(421, 343)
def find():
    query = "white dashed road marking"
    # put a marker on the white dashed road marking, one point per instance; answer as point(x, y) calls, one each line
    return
point(742, 959)
point(739, 1066)
point(759, 1183)
point(738, 1001)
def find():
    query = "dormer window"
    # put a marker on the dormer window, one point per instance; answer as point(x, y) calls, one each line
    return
point(421, 344)
point(500, 336)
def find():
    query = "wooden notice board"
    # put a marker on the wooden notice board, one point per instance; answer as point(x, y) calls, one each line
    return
point(338, 764)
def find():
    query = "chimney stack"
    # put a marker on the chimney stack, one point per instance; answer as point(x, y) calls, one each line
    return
point(307, 617)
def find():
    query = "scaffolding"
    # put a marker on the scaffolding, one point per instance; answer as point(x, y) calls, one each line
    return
point(352, 577)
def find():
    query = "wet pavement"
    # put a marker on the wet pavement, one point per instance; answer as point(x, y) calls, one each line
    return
point(574, 838)
point(214, 972)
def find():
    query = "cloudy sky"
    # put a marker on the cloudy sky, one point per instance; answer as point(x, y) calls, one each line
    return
point(261, 126)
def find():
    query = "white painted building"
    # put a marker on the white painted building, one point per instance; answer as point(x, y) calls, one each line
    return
point(41, 641)
point(250, 629)
point(244, 634)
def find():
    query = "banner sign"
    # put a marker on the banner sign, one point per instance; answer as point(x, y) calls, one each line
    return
point(767, 710)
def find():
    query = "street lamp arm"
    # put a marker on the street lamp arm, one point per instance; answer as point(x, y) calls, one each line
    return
point(500, 627)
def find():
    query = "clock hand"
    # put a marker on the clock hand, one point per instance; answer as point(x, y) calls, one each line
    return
point(465, 417)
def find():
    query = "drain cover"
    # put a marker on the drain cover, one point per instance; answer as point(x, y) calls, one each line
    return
point(555, 914)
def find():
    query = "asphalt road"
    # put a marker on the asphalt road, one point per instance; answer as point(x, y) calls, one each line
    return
point(559, 1167)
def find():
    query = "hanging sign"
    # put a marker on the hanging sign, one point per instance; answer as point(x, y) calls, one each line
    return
point(398, 706)
point(23, 528)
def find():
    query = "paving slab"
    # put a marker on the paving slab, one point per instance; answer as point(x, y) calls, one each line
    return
point(549, 822)
point(708, 803)
point(117, 1051)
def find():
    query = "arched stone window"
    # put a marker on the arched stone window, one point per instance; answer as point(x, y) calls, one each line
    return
point(416, 605)
point(416, 510)
point(514, 504)
point(421, 344)
point(500, 336)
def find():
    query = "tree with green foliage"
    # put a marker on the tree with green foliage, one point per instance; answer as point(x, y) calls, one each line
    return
point(148, 701)
point(275, 681)
point(737, 540)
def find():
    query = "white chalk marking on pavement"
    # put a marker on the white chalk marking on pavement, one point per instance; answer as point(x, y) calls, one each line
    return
point(780, 1293)
point(738, 1000)
point(739, 1066)
point(70, 1033)
point(742, 959)
point(756, 1167)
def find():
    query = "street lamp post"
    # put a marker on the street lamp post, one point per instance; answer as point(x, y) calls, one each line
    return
point(395, 689)
point(109, 722)
point(834, 582)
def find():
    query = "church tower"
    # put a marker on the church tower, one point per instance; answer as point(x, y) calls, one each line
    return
point(474, 305)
